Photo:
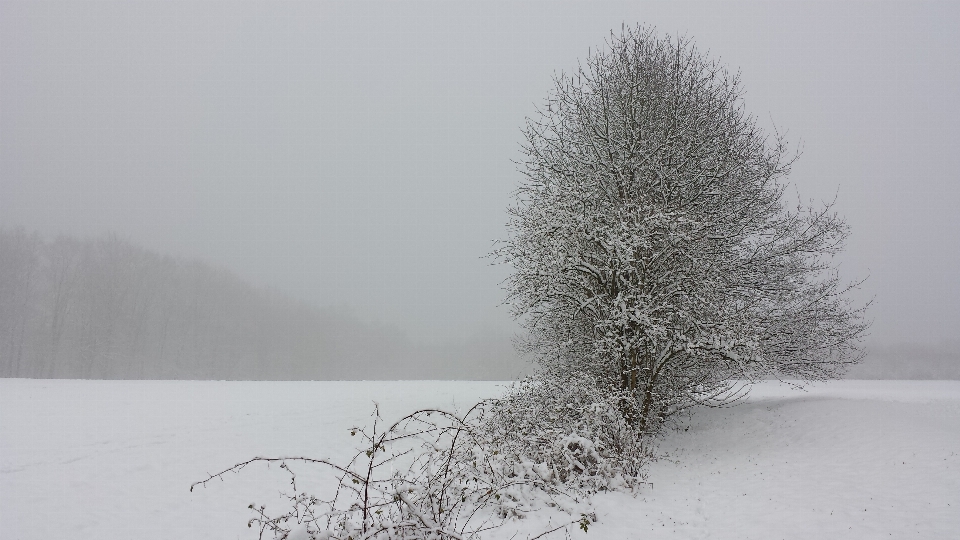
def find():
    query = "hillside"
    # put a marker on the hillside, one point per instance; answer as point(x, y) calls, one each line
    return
point(108, 309)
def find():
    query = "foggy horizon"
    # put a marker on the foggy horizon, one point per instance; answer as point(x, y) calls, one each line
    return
point(359, 155)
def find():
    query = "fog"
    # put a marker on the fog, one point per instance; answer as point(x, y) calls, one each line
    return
point(108, 309)
point(357, 156)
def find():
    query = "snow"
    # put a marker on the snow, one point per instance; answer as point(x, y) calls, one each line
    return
point(847, 459)
point(114, 459)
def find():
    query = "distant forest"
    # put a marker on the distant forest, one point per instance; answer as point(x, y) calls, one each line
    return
point(108, 309)
point(913, 361)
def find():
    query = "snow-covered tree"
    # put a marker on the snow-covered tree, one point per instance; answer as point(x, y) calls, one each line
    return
point(651, 244)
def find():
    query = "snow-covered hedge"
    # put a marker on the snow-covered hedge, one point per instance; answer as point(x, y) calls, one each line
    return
point(550, 442)
point(573, 430)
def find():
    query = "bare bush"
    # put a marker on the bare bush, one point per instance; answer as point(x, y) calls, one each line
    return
point(571, 431)
point(430, 475)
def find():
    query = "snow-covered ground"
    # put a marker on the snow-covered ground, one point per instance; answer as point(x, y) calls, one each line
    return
point(114, 459)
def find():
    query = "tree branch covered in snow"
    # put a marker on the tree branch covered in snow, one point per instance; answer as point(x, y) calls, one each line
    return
point(651, 245)
point(436, 475)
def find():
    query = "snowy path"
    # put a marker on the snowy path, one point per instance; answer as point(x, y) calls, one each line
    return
point(113, 460)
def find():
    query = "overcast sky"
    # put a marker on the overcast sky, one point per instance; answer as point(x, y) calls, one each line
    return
point(359, 154)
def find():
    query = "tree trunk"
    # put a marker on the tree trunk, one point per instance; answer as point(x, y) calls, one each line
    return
point(647, 402)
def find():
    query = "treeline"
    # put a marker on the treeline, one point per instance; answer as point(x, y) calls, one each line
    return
point(108, 309)
point(913, 361)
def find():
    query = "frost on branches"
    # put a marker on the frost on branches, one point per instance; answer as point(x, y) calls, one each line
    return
point(651, 245)
point(435, 475)
point(572, 430)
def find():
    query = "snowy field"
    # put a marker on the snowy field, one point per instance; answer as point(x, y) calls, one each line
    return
point(111, 460)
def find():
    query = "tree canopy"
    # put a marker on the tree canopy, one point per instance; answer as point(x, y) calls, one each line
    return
point(651, 244)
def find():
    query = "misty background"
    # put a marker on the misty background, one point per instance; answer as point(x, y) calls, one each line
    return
point(343, 168)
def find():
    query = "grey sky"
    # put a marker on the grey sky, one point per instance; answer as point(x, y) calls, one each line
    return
point(359, 153)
